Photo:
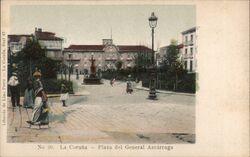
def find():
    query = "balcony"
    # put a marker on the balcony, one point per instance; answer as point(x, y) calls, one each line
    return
point(188, 43)
point(186, 56)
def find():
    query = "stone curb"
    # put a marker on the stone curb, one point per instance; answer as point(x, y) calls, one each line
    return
point(165, 92)
point(58, 95)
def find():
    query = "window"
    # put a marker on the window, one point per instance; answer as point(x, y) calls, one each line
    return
point(191, 37)
point(185, 64)
point(186, 38)
point(186, 51)
point(191, 65)
point(191, 51)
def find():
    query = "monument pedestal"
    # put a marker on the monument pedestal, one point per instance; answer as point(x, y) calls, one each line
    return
point(92, 79)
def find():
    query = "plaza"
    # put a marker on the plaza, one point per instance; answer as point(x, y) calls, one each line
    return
point(100, 109)
point(106, 114)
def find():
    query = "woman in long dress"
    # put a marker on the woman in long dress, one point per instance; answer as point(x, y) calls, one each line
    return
point(29, 95)
point(40, 113)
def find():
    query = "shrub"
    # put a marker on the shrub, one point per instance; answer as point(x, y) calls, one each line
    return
point(186, 83)
point(54, 86)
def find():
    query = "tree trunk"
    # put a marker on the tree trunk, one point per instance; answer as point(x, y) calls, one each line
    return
point(176, 81)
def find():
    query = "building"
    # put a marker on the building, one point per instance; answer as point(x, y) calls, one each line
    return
point(106, 55)
point(17, 42)
point(189, 50)
point(52, 44)
point(163, 52)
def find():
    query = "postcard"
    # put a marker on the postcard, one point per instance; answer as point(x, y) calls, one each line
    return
point(124, 78)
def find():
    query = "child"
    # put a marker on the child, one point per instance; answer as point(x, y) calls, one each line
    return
point(64, 95)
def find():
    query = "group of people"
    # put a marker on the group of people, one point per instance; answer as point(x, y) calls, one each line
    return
point(34, 97)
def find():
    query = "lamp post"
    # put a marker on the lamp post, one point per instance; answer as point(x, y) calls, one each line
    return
point(77, 72)
point(152, 92)
point(70, 54)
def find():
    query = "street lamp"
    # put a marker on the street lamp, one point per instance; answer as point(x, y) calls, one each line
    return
point(70, 54)
point(152, 92)
point(77, 72)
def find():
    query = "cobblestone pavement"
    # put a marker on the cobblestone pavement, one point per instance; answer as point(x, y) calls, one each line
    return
point(106, 114)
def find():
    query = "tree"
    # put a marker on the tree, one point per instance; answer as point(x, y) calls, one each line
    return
point(172, 64)
point(171, 56)
point(32, 51)
point(48, 67)
point(141, 61)
point(32, 56)
point(118, 65)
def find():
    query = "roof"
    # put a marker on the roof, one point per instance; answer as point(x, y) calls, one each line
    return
point(99, 48)
point(46, 36)
point(133, 48)
point(193, 29)
point(180, 46)
point(17, 37)
point(85, 48)
point(166, 47)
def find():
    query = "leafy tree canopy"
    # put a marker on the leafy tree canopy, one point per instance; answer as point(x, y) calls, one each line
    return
point(118, 65)
point(32, 56)
point(141, 61)
point(32, 51)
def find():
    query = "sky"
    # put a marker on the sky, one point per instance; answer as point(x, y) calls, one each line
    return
point(86, 24)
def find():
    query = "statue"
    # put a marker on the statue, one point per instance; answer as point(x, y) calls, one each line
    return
point(92, 67)
point(92, 79)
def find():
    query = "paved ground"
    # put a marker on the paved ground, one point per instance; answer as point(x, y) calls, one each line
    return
point(106, 114)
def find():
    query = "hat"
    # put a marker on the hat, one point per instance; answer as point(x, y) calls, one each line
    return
point(37, 73)
point(14, 73)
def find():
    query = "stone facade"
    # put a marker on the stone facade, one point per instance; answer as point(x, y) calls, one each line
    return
point(17, 42)
point(52, 44)
point(189, 50)
point(106, 55)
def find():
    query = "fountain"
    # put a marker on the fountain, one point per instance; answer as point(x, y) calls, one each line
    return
point(92, 78)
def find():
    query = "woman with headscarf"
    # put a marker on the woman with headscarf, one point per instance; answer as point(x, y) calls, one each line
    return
point(40, 113)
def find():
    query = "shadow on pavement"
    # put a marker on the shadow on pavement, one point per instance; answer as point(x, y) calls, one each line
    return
point(60, 118)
